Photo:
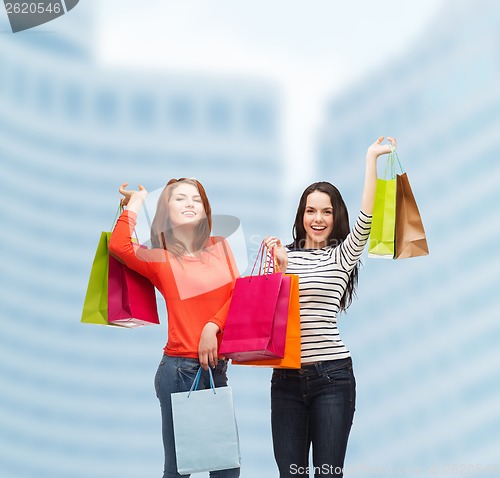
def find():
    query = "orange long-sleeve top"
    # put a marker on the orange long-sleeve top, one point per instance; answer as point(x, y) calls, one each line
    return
point(197, 289)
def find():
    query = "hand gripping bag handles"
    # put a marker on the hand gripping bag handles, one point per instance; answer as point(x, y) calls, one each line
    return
point(117, 295)
point(205, 431)
point(257, 318)
point(397, 231)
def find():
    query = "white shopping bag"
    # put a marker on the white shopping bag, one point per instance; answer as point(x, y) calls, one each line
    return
point(205, 431)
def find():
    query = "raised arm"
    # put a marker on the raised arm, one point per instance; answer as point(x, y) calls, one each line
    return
point(374, 151)
point(122, 246)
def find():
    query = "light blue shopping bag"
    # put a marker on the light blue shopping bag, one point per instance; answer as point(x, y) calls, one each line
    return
point(205, 431)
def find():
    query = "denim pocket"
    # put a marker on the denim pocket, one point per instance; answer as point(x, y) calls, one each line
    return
point(189, 368)
point(221, 366)
point(342, 378)
point(220, 374)
point(276, 376)
point(186, 373)
point(285, 378)
point(339, 373)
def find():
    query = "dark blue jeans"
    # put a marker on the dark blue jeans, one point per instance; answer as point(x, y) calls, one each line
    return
point(176, 374)
point(313, 405)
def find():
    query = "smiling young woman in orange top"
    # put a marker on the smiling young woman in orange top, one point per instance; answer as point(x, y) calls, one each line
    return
point(195, 273)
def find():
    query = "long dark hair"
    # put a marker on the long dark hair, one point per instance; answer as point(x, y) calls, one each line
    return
point(162, 234)
point(339, 232)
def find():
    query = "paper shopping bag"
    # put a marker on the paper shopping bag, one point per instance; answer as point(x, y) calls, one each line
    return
point(382, 233)
point(131, 297)
point(291, 358)
point(383, 230)
point(205, 431)
point(258, 314)
point(410, 234)
point(117, 295)
point(256, 321)
point(95, 306)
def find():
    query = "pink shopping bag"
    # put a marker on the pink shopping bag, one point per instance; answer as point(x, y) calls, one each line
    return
point(257, 319)
point(291, 359)
point(131, 297)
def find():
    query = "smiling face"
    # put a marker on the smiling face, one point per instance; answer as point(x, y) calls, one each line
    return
point(318, 220)
point(185, 206)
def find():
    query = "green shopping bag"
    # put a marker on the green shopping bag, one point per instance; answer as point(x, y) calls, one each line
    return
point(383, 231)
point(95, 307)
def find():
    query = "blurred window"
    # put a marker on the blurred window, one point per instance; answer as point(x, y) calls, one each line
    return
point(219, 116)
point(19, 85)
point(143, 110)
point(44, 95)
point(106, 104)
point(181, 114)
point(258, 120)
point(73, 101)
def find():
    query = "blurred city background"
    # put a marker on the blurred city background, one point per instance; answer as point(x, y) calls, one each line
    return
point(256, 100)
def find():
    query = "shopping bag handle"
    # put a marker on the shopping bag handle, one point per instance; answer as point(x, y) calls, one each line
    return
point(118, 212)
point(259, 255)
point(271, 259)
point(390, 160)
point(263, 267)
point(196, 381)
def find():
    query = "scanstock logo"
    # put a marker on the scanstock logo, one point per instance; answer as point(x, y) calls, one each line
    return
point(25, 15)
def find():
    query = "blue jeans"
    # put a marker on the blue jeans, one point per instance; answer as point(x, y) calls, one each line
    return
point(312, 405)
point(176, 374)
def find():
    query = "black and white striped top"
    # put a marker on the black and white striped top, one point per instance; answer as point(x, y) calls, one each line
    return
point(323, 277)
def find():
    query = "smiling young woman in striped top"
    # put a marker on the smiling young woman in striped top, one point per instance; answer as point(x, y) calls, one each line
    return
point(315, 405)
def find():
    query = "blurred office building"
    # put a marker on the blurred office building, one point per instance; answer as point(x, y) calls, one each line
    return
point(78, 400)
point(424, 332)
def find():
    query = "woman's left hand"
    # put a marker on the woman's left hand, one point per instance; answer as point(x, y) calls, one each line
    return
point(274, 244)
point(207, 347)
point(377, 148)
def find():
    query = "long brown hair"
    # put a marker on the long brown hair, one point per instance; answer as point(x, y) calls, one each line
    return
point(339, 232)
point(162, 233)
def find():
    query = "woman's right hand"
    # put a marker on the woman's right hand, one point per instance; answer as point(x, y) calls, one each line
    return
point(132, 197)
point(281, 257)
